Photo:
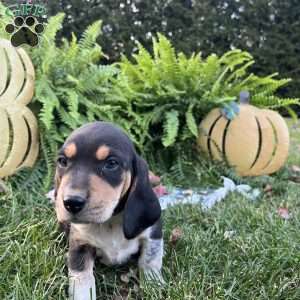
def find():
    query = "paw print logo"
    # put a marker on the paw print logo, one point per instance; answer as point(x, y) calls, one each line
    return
point(25, 31)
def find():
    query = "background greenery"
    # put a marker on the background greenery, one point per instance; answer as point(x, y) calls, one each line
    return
point(268, 29)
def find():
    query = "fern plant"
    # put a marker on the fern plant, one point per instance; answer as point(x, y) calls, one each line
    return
point(71, 87)
point(68, 86)
point(173, 92)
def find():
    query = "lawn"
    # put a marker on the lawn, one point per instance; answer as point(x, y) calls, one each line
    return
point(237, 250)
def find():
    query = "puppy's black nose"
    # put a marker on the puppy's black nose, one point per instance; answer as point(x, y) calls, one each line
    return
point(74, 204)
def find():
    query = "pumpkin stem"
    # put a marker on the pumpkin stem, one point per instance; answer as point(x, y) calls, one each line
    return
point(244, 97)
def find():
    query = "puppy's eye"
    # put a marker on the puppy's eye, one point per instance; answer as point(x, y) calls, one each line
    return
point(111, 165)
point(62, 161)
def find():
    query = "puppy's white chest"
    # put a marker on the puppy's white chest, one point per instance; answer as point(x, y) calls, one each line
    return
point(109, 240)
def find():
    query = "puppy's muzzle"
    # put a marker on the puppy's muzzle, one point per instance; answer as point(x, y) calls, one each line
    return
point(74, 204)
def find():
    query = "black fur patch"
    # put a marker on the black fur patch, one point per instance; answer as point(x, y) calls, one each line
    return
point(142, 208)
point(79, 255)
point(156, 232)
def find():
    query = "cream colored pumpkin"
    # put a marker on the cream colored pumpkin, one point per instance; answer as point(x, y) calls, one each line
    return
point(255, 142)
point(19, 132)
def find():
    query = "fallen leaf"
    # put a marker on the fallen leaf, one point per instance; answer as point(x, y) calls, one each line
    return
point(176, 235)
point(295, 168)
point(268, 188)
point(160, 190)
point(125, 278)
point(283, 212)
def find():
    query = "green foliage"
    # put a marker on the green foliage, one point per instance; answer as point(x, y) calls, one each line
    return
point(4, 20)
point(172, 92)
point(268, 29)
point(170, 128)
point(71, 88)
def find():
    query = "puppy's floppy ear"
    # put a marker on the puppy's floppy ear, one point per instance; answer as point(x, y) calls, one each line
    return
point(142, 208)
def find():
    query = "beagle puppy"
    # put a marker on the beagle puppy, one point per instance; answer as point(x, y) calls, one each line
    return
point(104, 197)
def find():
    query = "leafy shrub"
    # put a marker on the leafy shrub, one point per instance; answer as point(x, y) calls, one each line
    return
point(269, 29)
point(171, 92)
point(70, 86)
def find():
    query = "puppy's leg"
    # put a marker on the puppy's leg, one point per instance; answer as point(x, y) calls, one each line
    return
point(150, 261)
point(81, 278)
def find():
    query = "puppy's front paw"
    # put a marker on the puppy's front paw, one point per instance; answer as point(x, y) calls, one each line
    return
point(82, 288)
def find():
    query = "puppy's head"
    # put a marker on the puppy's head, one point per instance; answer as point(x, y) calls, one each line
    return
point(99, 174)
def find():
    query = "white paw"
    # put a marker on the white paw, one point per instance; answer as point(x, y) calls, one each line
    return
point(82, 288)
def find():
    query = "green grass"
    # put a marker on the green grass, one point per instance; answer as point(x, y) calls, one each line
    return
point(294, 157)
point(261, 260)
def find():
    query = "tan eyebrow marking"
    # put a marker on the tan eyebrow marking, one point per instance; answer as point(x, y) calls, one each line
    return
point(102, 152)
point(70, 150)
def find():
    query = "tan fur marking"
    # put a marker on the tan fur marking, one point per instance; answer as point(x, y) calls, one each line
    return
point(102, 152)
point(57, 180)
point(99, 187)
point(59, 207)
point(103, 197)
point(70, 150)
point(127, 182)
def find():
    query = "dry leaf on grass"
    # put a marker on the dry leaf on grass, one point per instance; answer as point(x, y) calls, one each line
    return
point(295, 177)
point(295, 168)
point(284, 213)
point(268, 190)
point(125, 278)
point(176, 235)
point(132, 274)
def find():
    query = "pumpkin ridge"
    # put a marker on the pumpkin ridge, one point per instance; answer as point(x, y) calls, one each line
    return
point(5, 138)
point(259, 143)
point(28, 144)
point(4, 71)
point(209, 138)
point(226, 129)
point(7, 74)
point(25, 77)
